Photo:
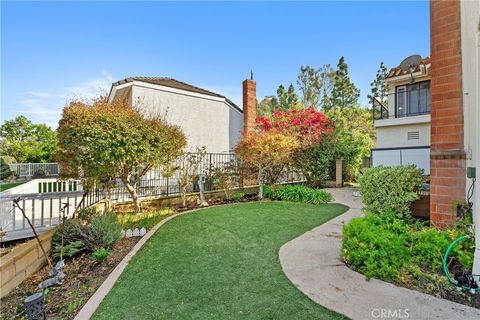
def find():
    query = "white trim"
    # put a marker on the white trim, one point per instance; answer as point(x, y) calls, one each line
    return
point(406, 77)
point(425, 118)
point(398, 94)
point(115, 88)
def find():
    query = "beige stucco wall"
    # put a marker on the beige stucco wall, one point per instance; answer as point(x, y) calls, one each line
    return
point(470, 25)
point(205, 120)
point(396, 136)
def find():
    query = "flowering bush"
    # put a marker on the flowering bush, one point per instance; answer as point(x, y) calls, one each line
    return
point(308, 125)
point(281, 139)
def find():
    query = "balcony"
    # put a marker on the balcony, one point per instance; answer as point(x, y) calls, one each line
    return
point(407, 101)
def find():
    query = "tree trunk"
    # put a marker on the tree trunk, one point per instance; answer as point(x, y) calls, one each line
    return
point(260, 183)
point(133, 193)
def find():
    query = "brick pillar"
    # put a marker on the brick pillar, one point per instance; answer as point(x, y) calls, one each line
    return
point(447, 154)
point(249, 105)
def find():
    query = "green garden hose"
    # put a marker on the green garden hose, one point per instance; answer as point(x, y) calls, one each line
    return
point(445, 269)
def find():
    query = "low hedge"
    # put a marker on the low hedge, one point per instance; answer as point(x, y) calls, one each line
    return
point(297, 193)
point(387, 189)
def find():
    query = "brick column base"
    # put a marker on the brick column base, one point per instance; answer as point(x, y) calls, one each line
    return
point(447, 181)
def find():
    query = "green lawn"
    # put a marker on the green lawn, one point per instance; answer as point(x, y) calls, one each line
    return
point(6, 186)
point(219, 263)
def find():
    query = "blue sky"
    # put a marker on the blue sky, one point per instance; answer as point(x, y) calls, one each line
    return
point(54, 51)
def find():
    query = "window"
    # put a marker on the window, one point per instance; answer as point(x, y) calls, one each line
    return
point(413, 99)
point(401, 101)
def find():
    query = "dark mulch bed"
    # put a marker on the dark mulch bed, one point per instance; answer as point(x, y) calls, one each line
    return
point(83, 277)
point(215, 202)
point(436, 284)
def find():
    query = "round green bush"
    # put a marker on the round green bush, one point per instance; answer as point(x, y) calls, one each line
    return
point(391, 189)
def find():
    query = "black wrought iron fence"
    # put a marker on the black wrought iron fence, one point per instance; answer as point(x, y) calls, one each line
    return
point(45, 208)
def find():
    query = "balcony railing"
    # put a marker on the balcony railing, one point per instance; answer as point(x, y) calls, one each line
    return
point(406, 103)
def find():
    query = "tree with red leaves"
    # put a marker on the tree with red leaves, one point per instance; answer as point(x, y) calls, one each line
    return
point(308, 125)
point(278, 139)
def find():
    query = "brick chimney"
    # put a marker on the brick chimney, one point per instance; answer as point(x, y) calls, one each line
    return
point(249, 105)
point(447, 155)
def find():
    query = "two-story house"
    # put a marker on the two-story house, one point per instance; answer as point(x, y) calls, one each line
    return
point(206, 118)
point(402, 119)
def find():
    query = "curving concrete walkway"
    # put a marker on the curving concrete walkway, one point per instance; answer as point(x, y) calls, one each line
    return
point(312, 263)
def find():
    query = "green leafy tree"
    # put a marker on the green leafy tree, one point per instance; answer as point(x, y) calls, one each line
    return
point(354, 137)
point(379, 87)
point(265, 150)
point(26, 141)
point(344, 93)
point(266, 106)
point(327, 75)
point(99, 142)
point(309, 83)
point(286, 98)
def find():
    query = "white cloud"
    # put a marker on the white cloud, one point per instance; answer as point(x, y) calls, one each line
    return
point(40, 111)
point(90, 88)
point(39, 94)
point(46, 107)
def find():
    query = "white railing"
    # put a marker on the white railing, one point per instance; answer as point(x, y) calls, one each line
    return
point(27, 170)
point(43, 199)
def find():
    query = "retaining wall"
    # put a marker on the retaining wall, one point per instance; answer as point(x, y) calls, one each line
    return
point(24, 260)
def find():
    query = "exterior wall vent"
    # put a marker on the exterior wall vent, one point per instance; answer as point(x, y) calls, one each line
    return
point(413, 135)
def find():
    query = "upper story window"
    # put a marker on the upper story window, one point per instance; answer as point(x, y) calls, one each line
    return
point(412, 99)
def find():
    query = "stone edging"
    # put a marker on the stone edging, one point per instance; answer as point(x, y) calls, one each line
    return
point(93, 303)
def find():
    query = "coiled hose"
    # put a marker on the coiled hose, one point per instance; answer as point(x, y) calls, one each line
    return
point(445, 269)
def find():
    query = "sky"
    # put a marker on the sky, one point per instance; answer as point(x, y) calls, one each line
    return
point(52, 52)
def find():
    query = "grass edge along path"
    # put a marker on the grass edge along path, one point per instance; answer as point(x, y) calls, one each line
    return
point(219, 263)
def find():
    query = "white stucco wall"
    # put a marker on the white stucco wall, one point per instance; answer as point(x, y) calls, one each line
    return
point(397, 136)
point(470, 24)
point(205, 120)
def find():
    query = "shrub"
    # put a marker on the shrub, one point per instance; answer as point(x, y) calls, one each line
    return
point(430, 244)
point(237, 196)
point(298, 193)
point(385, 247)
point(100, 254)
point(69, 250)
point(105, 230)
point(226, 178)
point(390, 189)
point(5, 171)
point(376, 245)
point(87, 214)
point(74, 235)
point(316, 162)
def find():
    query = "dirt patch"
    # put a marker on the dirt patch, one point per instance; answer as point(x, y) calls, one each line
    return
point(434, 284)
point(83, 277)
point(438, 285)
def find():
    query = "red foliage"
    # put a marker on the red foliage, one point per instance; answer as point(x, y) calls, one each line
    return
point(307, 124)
